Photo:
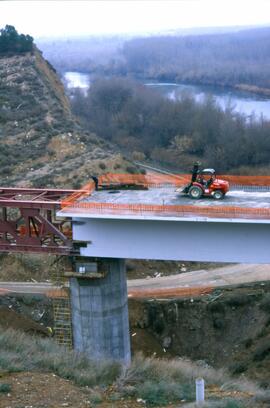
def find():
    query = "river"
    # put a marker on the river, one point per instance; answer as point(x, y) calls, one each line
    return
point(244, 102)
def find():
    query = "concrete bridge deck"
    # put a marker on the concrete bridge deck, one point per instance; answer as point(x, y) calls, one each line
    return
point(164, 200)
point(158, 222)
point(168, 195)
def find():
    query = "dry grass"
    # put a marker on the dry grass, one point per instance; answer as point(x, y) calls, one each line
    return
point(29, 267)
point(158, 382)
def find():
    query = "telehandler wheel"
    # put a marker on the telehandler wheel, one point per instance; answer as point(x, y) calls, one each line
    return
point(218, 195)
point(195, 192)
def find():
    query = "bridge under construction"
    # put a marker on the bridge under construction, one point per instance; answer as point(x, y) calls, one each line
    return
point(132, 216)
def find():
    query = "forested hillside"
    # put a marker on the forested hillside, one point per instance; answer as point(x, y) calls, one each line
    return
point(224, 59)
point(227, 59)
point(175, 133)
point(11, 42)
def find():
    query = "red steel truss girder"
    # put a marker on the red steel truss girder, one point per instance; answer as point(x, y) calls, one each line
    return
point(33, 197)
point(30, 225)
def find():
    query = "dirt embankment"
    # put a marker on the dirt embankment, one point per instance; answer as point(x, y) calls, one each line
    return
point(226, 328)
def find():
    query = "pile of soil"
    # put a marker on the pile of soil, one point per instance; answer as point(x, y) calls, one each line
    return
point(50, 391)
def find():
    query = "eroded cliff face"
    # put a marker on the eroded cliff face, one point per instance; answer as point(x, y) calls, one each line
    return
point(41, 143)
point(229, 328)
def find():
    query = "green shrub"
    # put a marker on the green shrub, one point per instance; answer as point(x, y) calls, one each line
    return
point(233, 404)
point(262, 351)
point(116, 396)
point(248, 343)
point(218, 324)
point(216, 307)
point(265, 396)
point(131, 169)
point(238, 367)
point(10, 362)
point(264, 332)
point(102, 166)
point(5, 388)
point(265, 304)
point(12, 42)
point(226, 403)
point(20, 352)
point(164, 392)
point(237, 299)
point(95, 398)
point(28, 299)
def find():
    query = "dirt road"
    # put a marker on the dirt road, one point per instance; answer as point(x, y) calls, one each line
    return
point(228, 275)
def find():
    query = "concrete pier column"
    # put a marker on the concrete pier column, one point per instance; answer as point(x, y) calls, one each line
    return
point(100, 314)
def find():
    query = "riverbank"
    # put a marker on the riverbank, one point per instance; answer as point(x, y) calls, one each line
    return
point(245, 99)
point(253, 89)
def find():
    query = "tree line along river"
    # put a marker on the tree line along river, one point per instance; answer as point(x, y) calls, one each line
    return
point(244, 102)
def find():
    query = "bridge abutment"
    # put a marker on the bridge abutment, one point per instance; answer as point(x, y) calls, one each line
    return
point(100, 314)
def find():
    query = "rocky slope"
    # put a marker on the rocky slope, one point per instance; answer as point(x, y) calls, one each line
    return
point(41, 143)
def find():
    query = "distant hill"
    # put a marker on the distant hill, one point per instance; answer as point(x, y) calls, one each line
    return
point(83, 54)
point(235, 56)
point(227, 59)
point(41, 143)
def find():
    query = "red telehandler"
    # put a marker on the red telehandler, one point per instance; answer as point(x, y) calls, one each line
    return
point(205, 184)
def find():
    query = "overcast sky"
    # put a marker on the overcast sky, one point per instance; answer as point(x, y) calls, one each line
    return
point(63, 18)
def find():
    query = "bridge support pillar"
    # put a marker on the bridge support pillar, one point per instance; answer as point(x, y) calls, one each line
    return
point(100, 314)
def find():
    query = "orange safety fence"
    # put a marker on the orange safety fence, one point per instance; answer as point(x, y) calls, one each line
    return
point(75, 200)
point(58, 293)
point(4, 291)
point(172, 210)
point(85, 191)
point(247, 180)
point(147, 180)
point(152, 180)
point(169, 292)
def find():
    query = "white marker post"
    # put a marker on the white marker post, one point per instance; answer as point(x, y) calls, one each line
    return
point(199, 392)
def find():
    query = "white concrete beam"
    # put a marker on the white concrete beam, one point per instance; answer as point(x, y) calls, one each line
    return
point(195, 240)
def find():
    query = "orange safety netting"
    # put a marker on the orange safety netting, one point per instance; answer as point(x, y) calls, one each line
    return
point(147, 180)
point(58, 293)
point(146, 293)
point(156, 180)
point(171, 210)
point(84, 192)
point(169, 292)
point(247, 180)
point(4, 291)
